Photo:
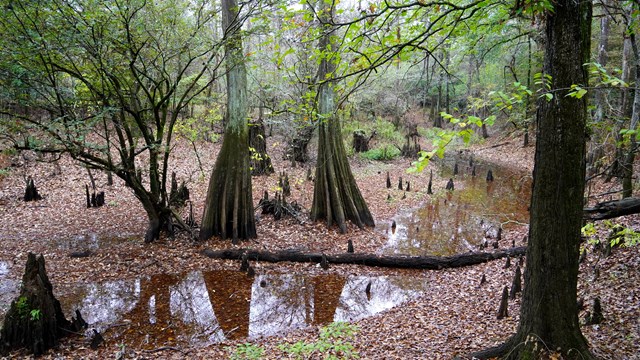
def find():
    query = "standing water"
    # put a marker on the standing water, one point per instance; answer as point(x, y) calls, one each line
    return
point(458, 221)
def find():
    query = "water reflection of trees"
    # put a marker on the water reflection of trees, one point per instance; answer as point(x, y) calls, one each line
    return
point(458, 221)
point(204, 308)
point(386, 292)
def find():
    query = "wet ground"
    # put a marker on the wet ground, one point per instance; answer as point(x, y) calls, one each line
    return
point(459, 221)
point(210, 307)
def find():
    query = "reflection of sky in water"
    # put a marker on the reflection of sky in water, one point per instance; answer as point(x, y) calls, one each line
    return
point(282, 302)
point(138, 310)
point(287, 302)
point(8, 288)
point(386, 292)
point(190, 303)
point(105, 303)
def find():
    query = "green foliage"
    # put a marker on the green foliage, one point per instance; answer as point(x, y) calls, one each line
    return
point(619, 235)
point(603, 77)
point(246, 351)
point(36, 314)
point(24, 310)
point(543, 81)
point(464, 131)
point(195, 128)
point(22, 306)
point(334, 343)
point(622, 235)
point(383, 153)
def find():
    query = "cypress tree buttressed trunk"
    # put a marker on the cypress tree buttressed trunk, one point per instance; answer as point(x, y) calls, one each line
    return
point(336, 196)
point(229, 205)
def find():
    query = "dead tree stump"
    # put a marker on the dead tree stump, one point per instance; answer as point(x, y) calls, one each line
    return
point(489, 175)
point(283, 183)
point(595, 316)
point(350, 246)
point(450, 185)
point(244, 265)
point(400, 183)
point(516, 284)
point(429, 190)
point(31, 192)
point(455, 169)
point(361, 141)
point(94, 199)
point(504, 304)
point(388, 181)
point(412, 147)
point(35, 319)
point(260, 160)
point(178, 195)
point(507, 263)
point(324, 263)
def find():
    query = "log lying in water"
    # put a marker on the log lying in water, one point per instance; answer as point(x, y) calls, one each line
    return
point(613, 209)
point(412, 262)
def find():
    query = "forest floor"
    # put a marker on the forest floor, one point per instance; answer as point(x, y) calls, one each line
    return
point(456, 315)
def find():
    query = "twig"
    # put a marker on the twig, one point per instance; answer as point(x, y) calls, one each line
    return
point(163, 348)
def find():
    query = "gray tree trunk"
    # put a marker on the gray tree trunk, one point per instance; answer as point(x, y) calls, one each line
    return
point(228, 208)
point(336, 197)
point(629, 158)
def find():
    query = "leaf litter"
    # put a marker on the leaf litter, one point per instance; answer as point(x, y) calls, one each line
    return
point(457, 314)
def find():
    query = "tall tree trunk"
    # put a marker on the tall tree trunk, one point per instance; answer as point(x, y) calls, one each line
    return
point(336, 196)
point(600, 96)
point(228, 209)
point(627, 164)
point(549, 311)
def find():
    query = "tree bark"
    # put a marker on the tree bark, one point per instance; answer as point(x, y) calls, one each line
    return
point(336, 196)
point(35, 320)
point(409, 262)
point(549, 312)
point(613, 209)
point(629, 157)
point(228, 208)
point(260, 160)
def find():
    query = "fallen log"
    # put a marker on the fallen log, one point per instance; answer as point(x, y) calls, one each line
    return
point(612, 209)
point(411, 262)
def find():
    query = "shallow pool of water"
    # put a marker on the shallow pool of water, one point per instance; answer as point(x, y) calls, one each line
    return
point(209, 307)
point(458, 221)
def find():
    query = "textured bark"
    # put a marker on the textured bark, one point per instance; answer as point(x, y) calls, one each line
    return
point(629, 158)
point(35, 320)
point(336, 197)
point(260, 160)
point(298, 146)
point(549, 312)
point(409, 262)
point(228, 208)
point(600, 97)
point(613, 209)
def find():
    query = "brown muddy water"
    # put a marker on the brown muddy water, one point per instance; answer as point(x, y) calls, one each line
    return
point(201, 308)
point(458, 221)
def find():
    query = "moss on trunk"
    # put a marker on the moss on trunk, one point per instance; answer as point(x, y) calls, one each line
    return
point(229, 206)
